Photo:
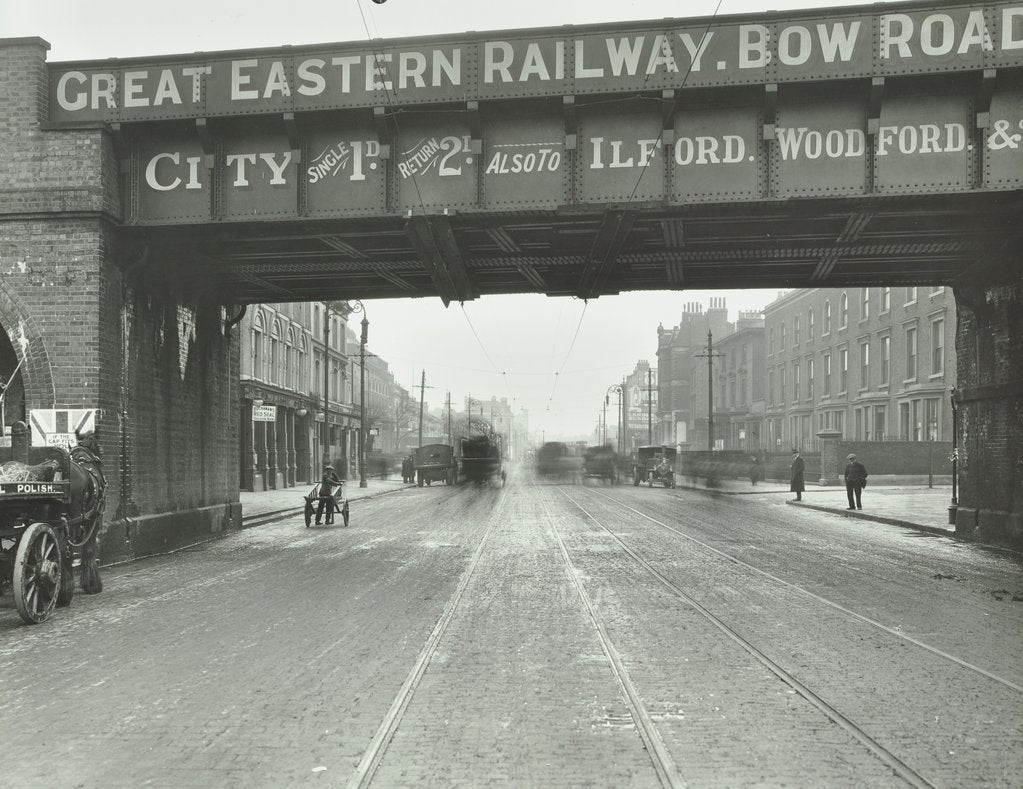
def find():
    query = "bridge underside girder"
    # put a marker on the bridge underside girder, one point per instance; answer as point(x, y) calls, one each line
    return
point(597, 251)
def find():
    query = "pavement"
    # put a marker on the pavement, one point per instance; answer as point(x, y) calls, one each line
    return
point(912, 506)
point(270, 505)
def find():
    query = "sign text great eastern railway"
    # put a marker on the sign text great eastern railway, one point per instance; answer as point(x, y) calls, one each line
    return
point(901, 39)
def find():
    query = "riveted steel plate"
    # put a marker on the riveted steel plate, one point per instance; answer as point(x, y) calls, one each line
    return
point(1003, 141)
point(258, 174)
point(924, 144)
point(715, 154)
point(174, 184)
point(820, 148)
point(620, 151)
point(524, 163)
point(435, 165)
point(343, 171)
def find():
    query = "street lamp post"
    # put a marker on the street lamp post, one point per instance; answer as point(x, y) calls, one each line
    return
point(617, 389)
point(953, 506)
point(326, 384)
point(362, 398)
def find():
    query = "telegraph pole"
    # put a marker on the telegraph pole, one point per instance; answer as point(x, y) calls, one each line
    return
point(422, 387)
point(450, 438)
point(649, 406)
point(709, 356)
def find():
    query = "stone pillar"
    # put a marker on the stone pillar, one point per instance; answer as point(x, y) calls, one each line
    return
point(831, 463)
point(270, 430)
point(259, 430)
point(248, 453)
point(989, 352)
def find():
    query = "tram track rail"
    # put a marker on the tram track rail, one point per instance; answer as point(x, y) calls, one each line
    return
point(872, 745)
point(802, 590)
point(381, 740)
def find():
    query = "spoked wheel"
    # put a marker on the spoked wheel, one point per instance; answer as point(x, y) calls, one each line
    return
point(37, 573)
point(344, 512)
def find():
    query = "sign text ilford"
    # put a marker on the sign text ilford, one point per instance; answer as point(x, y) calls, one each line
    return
point(822, 46)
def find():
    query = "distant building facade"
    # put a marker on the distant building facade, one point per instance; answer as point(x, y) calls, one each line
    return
point(868, 363)
point(642, 421)
point(299, 394)
point(681, 400)
point(738, 386)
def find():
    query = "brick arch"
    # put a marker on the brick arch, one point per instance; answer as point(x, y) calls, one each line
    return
point(18, 325)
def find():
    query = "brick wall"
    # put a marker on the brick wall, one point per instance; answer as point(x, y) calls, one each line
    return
point(988, 346)
point(155, 360)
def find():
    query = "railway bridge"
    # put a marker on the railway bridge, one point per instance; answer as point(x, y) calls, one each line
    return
point(145, 202)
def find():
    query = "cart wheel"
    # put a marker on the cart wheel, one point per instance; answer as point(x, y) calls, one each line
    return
point(308, 513)
point(344, 512)
point(37, 573)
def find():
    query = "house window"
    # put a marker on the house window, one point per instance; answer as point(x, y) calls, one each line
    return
point(938, 346)
point(770, 387)
point(826, 383)
point(770, 342)
point(827, 317)
point(843, 311)
point(256, 358)
point(864, 365)
point(931, 417)
point(886, 299)
point(782, 348)
point(910, 295)
point(886, 359)
point(289, 360)
point(843, 369)
point(910, 354)
point(781, 376)
point(809, 378)
point(303, 365)
point(795, 331)
point(275, 348)
point(880, 427)
point(809, 324)
point(865, 304)
point(795, 382)
point(937, 289)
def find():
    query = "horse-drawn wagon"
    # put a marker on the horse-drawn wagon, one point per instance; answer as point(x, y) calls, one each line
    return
point(51, 507)
point(601, 463)
point(435, 463)
point(481, 460)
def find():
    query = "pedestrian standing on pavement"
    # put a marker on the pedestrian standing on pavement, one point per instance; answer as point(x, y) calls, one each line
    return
point(796, 483)
point(855, 481)
point(325, 496)
point(756, 469)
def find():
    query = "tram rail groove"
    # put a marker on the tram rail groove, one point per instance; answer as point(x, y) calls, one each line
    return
point(377, 749)
point(900, 768)
point(665, 767)
point(831, 603)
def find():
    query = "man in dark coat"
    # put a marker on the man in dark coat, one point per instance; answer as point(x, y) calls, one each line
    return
point(855, 481)
point(796, 483)
point(325, 497)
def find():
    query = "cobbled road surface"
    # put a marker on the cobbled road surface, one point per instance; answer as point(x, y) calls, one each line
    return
point(535, 635)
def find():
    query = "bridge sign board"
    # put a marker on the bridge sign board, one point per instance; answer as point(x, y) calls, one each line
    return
point(890, 40)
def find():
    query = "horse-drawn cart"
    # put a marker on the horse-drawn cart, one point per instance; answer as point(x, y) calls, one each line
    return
point(51, 506)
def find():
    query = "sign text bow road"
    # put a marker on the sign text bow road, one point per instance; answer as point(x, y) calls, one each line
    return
point(899, 39)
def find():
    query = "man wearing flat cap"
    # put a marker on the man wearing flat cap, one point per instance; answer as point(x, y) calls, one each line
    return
point(855, 481)
point(326, 499)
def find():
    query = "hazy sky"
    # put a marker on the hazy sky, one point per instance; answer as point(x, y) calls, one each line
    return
point(555, 357)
